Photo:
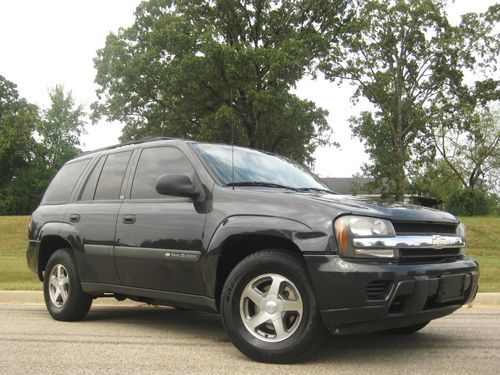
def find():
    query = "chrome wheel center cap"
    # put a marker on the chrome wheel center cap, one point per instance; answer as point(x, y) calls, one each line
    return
point(271, 307)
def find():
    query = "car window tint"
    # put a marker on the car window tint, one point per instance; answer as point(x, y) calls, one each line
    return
point(89, 190)
point(155, 162)
point(63, 183)
point(111, 178)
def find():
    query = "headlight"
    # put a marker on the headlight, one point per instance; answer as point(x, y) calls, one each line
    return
point(461, 231)
point(349, 227)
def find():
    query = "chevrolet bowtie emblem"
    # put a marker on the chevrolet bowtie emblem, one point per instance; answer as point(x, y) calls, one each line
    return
point(438, 241)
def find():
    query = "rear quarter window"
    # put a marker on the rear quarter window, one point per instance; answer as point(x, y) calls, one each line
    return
point(64, 182)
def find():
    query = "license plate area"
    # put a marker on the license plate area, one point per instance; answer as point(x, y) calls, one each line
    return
point(451, 288)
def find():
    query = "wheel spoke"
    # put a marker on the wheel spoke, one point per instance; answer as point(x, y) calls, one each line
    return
point(251, 293)
point(279, 327)
point(59, 276)
point(53, 281)
point(257, 320)
point(295, 306)
point(65, 280)
point(275, 286)
point(64, 295)
point(57, 294)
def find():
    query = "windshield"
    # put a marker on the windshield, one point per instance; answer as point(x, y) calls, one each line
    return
point(252, 167)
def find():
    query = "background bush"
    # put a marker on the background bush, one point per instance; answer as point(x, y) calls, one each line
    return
point(470, 202)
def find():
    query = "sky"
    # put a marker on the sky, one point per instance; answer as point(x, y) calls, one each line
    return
point(49, 42)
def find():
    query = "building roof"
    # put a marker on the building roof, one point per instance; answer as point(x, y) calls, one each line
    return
point(351, 185)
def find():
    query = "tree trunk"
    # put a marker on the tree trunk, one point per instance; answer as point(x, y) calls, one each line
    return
point(399, 175)
point(399, 144)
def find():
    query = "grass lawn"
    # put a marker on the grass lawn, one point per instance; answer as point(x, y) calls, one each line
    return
point(14, 271)
point(483, 244)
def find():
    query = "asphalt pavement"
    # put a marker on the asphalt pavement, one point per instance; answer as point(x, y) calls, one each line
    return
point(138, 339)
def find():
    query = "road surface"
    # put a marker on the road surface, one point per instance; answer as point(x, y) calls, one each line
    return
point(145, 340)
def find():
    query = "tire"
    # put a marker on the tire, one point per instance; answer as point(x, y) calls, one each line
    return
point(62, 291)
point(407, 330)
point(294, 305)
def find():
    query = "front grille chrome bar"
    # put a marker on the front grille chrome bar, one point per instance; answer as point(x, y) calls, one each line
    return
point(410, 242)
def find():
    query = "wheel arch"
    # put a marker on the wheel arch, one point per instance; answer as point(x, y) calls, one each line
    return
point(55, 236)
point(239, 236)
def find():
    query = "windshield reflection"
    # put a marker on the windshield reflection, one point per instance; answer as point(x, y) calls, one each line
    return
point(257, 168)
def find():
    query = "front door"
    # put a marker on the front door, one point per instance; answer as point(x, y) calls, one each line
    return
point(158, 237)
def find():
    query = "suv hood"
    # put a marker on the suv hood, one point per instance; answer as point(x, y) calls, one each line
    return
point(394, 211)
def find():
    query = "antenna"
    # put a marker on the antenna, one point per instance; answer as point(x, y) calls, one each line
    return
point(232, 140)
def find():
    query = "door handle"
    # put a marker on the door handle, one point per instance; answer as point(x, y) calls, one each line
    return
point(74, 218)
point(128, 219)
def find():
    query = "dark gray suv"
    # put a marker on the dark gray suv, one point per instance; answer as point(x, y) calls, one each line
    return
point(250, 235)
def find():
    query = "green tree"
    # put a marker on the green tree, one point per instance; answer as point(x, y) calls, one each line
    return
point(60, 128)
point(193, 68)
point(470, 147)
point(17, 122)
point(408, 60)
point(33, 146)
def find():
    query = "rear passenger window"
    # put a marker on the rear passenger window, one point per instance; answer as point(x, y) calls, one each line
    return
point(111, 178)
point(90, 185)
point(63, 183)
point(155, 162)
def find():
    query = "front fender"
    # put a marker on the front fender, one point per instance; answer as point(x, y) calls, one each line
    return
point(301, 235)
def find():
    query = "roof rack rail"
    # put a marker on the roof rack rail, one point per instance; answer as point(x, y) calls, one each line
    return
point(137, 141)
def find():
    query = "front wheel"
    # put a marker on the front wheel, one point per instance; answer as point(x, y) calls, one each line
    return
point(268, 307)
point(63, 294)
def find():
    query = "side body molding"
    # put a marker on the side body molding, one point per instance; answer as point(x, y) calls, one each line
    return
point(300, 234)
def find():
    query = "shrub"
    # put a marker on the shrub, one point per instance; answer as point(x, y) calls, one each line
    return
point(469, 202)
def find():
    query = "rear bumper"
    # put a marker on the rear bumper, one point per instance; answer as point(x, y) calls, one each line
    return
point(32, 256)
point(361, 297)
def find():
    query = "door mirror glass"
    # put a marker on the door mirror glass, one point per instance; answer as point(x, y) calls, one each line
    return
point(176, 185)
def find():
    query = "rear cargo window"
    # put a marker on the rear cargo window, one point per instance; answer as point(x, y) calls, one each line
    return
point(89, 190)
point(63, 183)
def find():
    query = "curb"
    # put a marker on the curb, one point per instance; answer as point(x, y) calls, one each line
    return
point(29, 297)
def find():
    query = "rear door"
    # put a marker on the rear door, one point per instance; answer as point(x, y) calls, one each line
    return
point(158, 237)
point(94, 216)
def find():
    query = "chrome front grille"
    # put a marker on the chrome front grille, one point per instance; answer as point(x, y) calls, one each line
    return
point(403, 228)
point(427, 253)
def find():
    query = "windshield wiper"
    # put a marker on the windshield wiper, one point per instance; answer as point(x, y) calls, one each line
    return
point(315, 189)
point(259, 183)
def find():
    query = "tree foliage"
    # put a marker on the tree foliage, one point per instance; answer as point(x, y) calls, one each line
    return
point(470, 146)
point(33, 145)
point(406, 58)
point(17, 123)
point(60, 127)
point(193, 68)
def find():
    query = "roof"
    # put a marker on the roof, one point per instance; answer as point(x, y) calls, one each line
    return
point(138, 141)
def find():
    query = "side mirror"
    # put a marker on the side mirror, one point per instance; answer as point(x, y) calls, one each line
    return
point(177, 185)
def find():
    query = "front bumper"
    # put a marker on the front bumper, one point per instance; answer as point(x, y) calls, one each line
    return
point(361, 297)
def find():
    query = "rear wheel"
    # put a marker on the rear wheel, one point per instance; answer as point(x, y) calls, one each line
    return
point(268, 307)
point(63, 294)
point(407, 330)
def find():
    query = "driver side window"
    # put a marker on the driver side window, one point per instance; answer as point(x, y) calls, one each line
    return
point(155, 162)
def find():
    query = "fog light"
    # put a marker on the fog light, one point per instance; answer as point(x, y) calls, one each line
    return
point(380, 253)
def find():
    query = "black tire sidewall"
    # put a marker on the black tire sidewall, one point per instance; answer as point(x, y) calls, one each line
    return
point(290, 349)
point(78, 303)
